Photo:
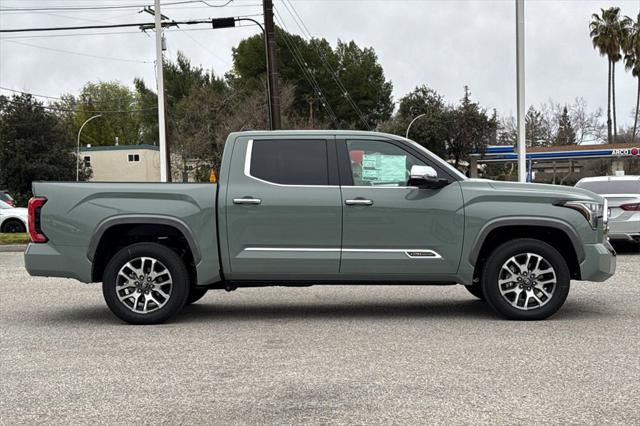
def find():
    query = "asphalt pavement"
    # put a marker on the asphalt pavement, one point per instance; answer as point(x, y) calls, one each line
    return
point(338, 355)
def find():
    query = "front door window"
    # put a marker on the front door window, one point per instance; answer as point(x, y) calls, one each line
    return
point(376, 163)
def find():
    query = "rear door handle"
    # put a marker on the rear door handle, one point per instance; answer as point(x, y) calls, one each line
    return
point(247, 200)
point(358, 202)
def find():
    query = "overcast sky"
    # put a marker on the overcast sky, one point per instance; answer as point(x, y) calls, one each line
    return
point(444, 44)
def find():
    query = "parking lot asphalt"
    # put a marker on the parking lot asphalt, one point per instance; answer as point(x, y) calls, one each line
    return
point(340, 355)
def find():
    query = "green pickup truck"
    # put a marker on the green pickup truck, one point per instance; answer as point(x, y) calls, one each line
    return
point(296, 208)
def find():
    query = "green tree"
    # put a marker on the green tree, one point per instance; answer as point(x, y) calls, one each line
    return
point(301, 62)
point(433, 129)
point(631, 47)
point(607, 35)
point(473, 130)
point(33, 146)
point(536, 128)
point(566, 134)
point(118, 106)
point(191, 92)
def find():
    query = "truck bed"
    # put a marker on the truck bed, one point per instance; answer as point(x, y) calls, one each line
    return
point(76, 215)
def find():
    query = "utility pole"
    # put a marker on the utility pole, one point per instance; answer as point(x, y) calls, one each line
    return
point(522, 149)
point(310, 100)
point(162, 130)
point(272, 65)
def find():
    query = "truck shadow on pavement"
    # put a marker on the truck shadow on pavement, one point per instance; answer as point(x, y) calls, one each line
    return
point(220, 313)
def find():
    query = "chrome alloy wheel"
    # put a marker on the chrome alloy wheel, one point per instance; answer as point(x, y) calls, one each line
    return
point(144, 285)
point(527, 281)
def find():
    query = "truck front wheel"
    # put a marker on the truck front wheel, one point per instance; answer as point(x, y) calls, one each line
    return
point(525, 279)
point(145, 283)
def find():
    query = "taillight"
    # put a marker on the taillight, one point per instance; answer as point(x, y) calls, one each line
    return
point(34, 209)
point(633, 207)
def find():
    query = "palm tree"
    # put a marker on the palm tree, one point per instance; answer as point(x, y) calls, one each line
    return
point(631, 48)
point(607, 34)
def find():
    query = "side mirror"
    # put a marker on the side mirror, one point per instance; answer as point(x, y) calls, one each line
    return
point(426, 177)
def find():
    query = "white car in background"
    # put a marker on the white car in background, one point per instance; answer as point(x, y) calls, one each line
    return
point(623, 196)
point(12, 219)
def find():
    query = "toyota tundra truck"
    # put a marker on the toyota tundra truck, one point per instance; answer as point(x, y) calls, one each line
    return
point(297, 208)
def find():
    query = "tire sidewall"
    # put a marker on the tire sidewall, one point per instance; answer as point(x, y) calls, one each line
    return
point(179, 276)
point(492, 269)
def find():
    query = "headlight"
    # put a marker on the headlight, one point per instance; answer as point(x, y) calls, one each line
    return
point(590, 210)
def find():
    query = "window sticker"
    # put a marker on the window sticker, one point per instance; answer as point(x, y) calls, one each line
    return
point(380, 168)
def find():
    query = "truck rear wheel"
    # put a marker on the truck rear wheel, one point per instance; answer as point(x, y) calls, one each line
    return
point(525, 279)
point(145, 283)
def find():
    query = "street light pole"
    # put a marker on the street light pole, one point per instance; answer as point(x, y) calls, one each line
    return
point(410, 124)
point(522, 149)
point(78, 148)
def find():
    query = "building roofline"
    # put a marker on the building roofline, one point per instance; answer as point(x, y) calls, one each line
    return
point(119, 148)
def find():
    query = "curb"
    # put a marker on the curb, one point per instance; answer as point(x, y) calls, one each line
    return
point(12, 248)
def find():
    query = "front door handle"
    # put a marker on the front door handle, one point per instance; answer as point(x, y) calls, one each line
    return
point(358, 202)
point(247, 200)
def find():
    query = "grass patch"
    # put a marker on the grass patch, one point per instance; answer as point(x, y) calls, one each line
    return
point(6, 239)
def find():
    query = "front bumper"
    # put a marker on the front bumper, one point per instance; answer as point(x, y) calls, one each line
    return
point(599, 262)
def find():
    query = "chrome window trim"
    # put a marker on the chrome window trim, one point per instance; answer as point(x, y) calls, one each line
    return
point(247, 172)
point(431, 253)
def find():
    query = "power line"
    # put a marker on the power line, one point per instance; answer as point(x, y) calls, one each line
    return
point(305, 31)
point(77, 101)
point(111, 58)
point(132, 6)
point(84, 111)
point(81, 34)
point(297, 56)
point(32, 94)
point(86, 27)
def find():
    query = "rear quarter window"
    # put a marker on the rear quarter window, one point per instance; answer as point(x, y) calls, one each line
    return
point(290, 162)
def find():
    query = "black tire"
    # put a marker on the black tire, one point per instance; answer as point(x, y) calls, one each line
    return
point(13, 226)
point(520, 248)
point(167, 260)
point(476, 290)
point(195, 294)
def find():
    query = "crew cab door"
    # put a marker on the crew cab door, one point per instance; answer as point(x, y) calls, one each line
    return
point(388, 227)
point(283, 209)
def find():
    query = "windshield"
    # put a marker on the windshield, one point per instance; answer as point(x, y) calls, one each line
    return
point(611, 186)
point(439, 160)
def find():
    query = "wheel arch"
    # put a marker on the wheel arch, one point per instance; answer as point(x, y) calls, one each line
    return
point(548, 230)
point(145, 227)
point(6, 219)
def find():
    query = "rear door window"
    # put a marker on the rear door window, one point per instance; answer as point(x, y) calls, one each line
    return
point(290, 162)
